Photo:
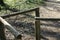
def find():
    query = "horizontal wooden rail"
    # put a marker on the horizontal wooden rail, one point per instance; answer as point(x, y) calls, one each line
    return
point(48, 19)
point(17, 13)
point(11, 28)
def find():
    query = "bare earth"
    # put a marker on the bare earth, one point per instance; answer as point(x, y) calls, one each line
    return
point(25, 24)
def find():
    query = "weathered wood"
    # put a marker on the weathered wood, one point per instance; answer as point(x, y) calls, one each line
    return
point(48, 19)
point(17, 13)
point(11, 28)
point(2, 34)
point(37, 25)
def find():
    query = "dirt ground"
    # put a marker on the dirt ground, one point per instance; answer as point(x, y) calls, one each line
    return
point(25, 24)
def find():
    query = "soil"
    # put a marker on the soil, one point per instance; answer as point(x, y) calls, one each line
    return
point(25, 24)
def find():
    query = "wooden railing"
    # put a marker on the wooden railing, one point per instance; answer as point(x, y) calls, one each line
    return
point(17, 34)
point(5, 24)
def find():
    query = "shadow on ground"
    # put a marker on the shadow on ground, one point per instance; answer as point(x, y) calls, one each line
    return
point(29, 29)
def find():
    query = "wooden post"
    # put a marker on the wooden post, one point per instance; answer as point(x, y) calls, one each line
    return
point(2, 34)
point(37, 25)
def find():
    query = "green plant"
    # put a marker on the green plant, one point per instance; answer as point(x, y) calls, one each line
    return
point(24, 4)
point(39, 2)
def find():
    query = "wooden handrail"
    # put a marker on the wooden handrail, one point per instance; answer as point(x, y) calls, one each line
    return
point(48, 19)
point(17, 13)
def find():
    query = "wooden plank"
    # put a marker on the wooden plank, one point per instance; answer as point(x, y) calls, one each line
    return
point(11, 28)
point(48, 19)
point(17, 13)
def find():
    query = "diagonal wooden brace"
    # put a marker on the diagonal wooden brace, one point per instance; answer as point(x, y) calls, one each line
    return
point(11, 28)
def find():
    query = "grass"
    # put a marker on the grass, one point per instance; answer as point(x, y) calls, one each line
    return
point(20, 5)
